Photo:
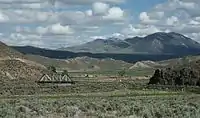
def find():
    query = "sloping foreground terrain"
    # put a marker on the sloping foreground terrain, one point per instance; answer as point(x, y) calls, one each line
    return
point(7, 52)
point(17, 69)
point(180, 74)
point(14, 65)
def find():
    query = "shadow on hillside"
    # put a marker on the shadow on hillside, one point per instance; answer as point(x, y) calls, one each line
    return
point(124, 57)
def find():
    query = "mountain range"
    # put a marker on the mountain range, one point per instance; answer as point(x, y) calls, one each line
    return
point(155, 47)
point(157, 43)
point(31, 62)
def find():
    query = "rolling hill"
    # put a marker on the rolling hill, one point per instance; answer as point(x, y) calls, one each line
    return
point(93, 64)
point(84, 63)
point(81, 63)
point(7, 52)
point(15, 65)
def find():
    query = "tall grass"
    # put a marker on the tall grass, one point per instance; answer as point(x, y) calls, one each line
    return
point(135, 107)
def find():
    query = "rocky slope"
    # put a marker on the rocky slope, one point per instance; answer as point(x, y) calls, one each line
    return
point(16, 69)
point(14, 65)
point(7, 52)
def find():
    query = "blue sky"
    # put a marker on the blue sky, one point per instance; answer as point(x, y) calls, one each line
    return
point(56, 23)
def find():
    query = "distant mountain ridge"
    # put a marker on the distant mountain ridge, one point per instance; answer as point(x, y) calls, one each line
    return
point(157, 43)
point(58, 54)
point(155, 47)
point(100, 46)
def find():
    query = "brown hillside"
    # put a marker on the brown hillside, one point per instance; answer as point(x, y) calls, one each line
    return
point(16, 69)
point(14, 65)
point(6, 51)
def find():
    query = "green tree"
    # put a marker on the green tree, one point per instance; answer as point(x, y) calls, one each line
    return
point(122, 73)
point(65, 72)
point(52, 69)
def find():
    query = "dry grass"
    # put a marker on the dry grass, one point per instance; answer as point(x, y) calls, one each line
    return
point(130, 107)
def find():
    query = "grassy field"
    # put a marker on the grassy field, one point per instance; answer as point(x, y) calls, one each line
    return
point(136, 72)
point(92, 98)
point(154, 106)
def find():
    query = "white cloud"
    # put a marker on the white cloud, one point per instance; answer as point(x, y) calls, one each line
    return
point(188, 5)
point(186, 28)
point(193, 22)
point(40, 22)
point(145, 18)
point(97, 37)
point(139, 30)
point(83, 2)
point(17, 36)
point(57, 29)
point(100, 8)
point(3, 18)
point(176, 4)
point(118, 35)
point(196, 36)
point(197, 18)
point(181, 16)
point(21, 39)
point(35, 5)
point(89, 12)
point(70, 22)
point(114, 13)
point(172, 20)
point(26, 16)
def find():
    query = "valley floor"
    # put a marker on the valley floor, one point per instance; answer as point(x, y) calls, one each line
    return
point(89, 98)
point(154, 106)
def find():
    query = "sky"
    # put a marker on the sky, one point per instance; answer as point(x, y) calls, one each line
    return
point(62, 23)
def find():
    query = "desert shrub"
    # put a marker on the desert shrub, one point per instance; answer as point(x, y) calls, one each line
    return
point(52, 69)
point(122, 73)
point(150, 107)
point(65, 72)
point(179, 76)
